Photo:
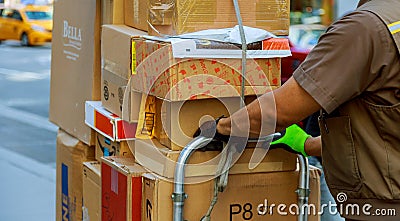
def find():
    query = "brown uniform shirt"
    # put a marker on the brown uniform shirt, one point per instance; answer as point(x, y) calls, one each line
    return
point(357, 56)
point(354, 71)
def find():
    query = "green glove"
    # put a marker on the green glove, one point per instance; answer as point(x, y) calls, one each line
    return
point(295, 138)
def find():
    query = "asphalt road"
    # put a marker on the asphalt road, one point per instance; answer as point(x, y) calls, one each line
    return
point(27, 138)
point(24, 102)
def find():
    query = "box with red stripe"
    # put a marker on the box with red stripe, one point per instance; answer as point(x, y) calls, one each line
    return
point(121, 189)
point(107, 123)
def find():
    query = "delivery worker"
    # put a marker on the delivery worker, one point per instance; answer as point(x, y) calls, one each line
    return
point(353, 76)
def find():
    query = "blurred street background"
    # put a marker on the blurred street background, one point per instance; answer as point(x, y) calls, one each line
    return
point(27, 139)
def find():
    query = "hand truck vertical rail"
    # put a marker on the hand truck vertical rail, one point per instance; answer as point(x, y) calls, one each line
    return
point(179, 195)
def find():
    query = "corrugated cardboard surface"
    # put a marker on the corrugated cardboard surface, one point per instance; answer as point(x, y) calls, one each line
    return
point(194, 15)
point(71, 153)
point(112, 11)
point(181, 119)
point(239, 201)
point(117, 49)
point(113, 89)
point(106, 147)
point(75, 65)
point(162, 161)
point(136, 13)
point(121, 189)
point(173, 123)
point(91, 191)
point(160, 74)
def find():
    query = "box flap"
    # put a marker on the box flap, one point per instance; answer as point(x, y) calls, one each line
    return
point(92, 171)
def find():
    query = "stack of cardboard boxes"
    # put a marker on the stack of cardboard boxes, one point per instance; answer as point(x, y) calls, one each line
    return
point(126, 105)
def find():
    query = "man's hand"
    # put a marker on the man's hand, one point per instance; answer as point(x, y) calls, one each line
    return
point(294, 138)
point(209, 129)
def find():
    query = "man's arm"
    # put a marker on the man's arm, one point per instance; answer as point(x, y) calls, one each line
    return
point(287, 105)
point(292, 104)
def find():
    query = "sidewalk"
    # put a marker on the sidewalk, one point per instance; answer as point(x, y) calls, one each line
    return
point(27, 188)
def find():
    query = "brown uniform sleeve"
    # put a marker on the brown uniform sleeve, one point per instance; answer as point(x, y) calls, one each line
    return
point(345, 61)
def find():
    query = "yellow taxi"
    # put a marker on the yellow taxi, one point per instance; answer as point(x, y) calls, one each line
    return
point(30, 24)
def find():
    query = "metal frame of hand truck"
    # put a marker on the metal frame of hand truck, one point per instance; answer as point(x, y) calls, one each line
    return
point(179, 195)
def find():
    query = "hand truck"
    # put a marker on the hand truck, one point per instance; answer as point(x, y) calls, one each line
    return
point(179, 196)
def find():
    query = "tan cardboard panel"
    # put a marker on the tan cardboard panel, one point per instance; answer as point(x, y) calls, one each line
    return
point(241, 199)
point(91, 191)
point(136, 14)
point(113, 89)
point(117, 49)
point(188, 16)
point(173, 123)
point(71, 153)
point(162, 161)
point(75, 65)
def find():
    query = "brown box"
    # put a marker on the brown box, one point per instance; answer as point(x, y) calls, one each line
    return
point(106, 147)
point(118, 50)
point(160, 74)
point(241, 200)
point(91, 190)
point(181, 119)
point(121, 189)
point(112, 11)
point(162, 161)
point(173, 123)
point(75, 65)
point(194, 15)
point(71, 153)
point(136, 13)
point(113, 89)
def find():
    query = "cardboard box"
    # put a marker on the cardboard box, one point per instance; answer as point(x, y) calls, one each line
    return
point(112, 11)
point(105, 147)
point(136, 13)
point(160, 74)
point(91, 190)
point(174, 123)
point(185, 16)
point(107, 123)
point(121, 189)
point(118, 50)
point(181, 119)
point(75, 65)
point(113, 89)
point(71, 153)
point(241, 200)
point(162, 161)
point(118, 64)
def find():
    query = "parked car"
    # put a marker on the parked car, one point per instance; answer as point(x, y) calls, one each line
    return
point(302, 38)
point(32, 25)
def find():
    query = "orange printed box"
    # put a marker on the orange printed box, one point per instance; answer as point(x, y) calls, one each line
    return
point(158, 72)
